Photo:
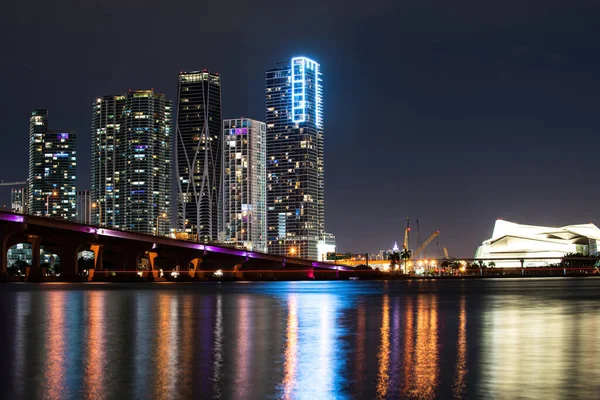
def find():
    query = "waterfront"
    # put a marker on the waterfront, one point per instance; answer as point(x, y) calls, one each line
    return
point(515, 338)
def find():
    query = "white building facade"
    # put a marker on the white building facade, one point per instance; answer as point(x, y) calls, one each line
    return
point(538, 245)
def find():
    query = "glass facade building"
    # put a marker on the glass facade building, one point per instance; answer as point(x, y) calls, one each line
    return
point(52, 169)
point(131, 161)
point(295, 184)
point(84, 207)
point(18, 200)
point(198, 153)
point(244, 184)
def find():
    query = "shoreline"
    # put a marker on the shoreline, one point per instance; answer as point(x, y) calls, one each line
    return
point(370, 277)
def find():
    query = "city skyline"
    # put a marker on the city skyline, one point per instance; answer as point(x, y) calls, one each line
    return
point(472, 123)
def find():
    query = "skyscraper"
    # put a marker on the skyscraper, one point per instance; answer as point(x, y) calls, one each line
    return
point(84, 207)
point(18, 200)
point(244, 184)
point(131, 161)
point(198, 153)
point(295, 186)
point(52, 168)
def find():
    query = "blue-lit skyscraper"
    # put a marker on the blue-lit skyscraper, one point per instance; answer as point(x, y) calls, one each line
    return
point(295, 184)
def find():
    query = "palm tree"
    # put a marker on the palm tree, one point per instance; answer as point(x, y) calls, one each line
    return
point(405, 255)
point(394, 260)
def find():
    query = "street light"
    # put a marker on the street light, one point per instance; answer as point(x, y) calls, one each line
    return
point(292, 251)
point(163, 215)
point(48, 202)
point(97, 204)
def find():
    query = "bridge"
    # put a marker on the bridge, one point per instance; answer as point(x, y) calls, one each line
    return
point(123, 252)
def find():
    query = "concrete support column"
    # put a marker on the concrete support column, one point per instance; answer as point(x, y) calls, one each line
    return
point(130, 262)
point(4, 256)
point(153, 272)
point(196, 272)
point(6, 232)
point(35, 272)
point(69, 261)
point(237, 272)
point(98, 249)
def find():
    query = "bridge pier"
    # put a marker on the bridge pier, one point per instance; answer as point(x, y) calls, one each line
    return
point(6, 232)
point(152, 273)
point(35, 273)
point(237, 271)
point(69, 261)
point(196, 263)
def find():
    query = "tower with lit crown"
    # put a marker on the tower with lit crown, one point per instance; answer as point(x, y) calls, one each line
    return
point(295, 170)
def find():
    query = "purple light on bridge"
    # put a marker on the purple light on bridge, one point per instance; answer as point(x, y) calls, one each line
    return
point(234, 252)
point(12, 218)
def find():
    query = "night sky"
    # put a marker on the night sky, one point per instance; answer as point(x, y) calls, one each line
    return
point(455, 113)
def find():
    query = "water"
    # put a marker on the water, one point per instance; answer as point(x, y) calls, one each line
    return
point(510, 338)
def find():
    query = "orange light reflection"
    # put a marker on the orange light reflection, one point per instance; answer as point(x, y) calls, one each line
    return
point(96, 361)
point(460, 375)
point(384, 350)
point(424, 379)
point(55, 373)
point(167, 347)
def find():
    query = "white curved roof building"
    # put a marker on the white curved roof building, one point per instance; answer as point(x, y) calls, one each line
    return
point(511, 240)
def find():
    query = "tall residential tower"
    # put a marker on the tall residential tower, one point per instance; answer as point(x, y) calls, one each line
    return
point(244, 184)
point(295, 186)
point(131, 161)
point(198, 152)
point(52, 169)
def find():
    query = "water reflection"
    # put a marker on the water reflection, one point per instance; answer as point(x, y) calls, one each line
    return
point(312, 356)
point(310, 340)
point(530, 349)
point(218, 349)
point(22, 311)
point(166, 362)
point(53, 384)
point(243, 356)
point(409, 340)
point(460, 375)
point(361, 337)
point(186, 345)
point(95, 342)
point(383, 355)
point(422, 376)
point(291, 349)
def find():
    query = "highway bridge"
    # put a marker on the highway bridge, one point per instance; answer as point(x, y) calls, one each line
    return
point(123, 252)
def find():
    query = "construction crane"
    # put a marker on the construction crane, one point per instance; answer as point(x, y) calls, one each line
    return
point(418, 233)
point(2, 183)
point(406, 232)
point(423, 245)
point(446, 253)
